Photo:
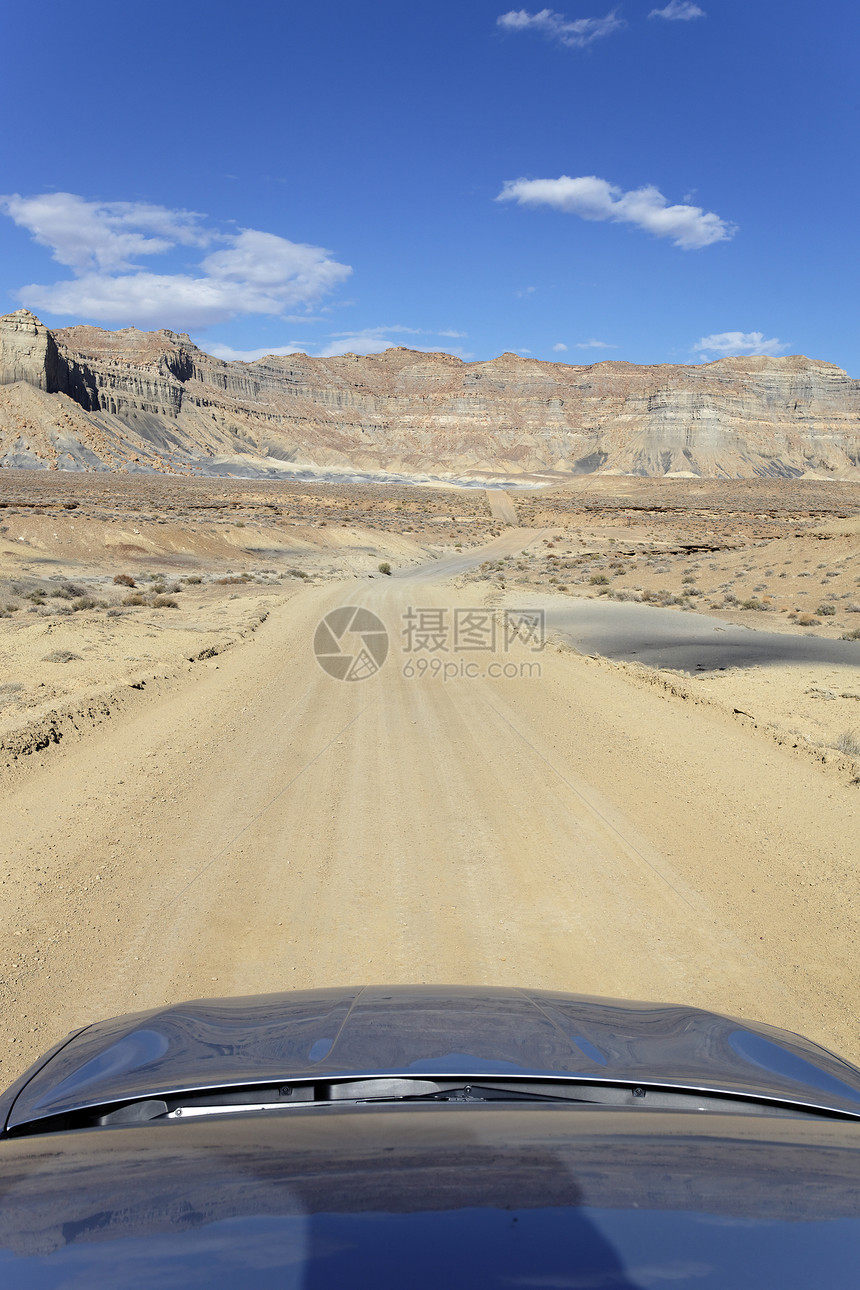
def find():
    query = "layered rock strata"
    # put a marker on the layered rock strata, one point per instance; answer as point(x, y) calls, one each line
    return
point(155, 401)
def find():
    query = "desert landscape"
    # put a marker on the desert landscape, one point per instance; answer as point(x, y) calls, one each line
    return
point(430, 647)
point(657, 799)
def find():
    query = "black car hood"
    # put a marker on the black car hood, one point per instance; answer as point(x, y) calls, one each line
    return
point(445, 1031)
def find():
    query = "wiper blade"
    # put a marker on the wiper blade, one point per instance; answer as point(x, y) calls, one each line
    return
point(391, 1091)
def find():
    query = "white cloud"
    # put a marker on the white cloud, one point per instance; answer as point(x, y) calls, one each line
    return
point(106, 236)
point(725, 343)
point(227, 352)
point(595, 199)
point(360, 343)
point(560, 348)
point(594, 344)
point(678, 11)
point(252, 272)
point(576, 34)
point(374, 340)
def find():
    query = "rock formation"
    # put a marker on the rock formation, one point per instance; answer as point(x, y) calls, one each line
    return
point(154, 401)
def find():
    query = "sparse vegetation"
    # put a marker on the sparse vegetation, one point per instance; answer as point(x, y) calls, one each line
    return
point(123, 580)
point(385, 567)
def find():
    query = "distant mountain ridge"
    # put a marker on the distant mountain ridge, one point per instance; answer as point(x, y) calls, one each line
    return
point(81, 398)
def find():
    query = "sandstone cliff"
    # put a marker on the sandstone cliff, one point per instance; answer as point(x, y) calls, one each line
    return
point(153, 401)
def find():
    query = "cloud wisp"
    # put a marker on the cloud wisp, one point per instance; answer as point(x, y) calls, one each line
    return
point(375, 340)
point(725, 344)
point(246, 271)
point(594, 344)
point(575, 33)
point(678, 11)
point(231, 355)
point(371, 340)
point(689, 227)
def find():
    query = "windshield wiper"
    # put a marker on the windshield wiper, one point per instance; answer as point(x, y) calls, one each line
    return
point(390, 1091)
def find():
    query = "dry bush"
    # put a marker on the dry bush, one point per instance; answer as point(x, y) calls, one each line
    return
point(123, 580)
point(135, 599)
point(165, 602)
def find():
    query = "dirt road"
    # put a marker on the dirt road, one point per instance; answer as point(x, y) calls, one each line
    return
point(268, 827)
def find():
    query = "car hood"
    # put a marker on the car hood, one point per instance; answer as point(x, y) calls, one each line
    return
point(445, 1031)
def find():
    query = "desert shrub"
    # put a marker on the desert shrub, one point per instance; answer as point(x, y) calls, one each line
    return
point(385, 568)
point(232, 581)
point(753, 603)
point(84, 602)
point(165, 602)
point(68, 591)
point(689, 577)
point(807, 620)
point(599, 580)
point(849, 743)
point(123, 580)
point(826, 611)
point(60, 656)
point(36, 596)
point(853, 635)
point(193, 579)
point(135, 599)
point(298, 573)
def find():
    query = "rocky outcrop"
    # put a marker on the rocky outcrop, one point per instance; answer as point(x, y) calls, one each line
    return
point(28, 352)
point(159, 402)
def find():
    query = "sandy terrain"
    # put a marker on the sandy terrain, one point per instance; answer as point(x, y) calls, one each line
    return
point(249, 823)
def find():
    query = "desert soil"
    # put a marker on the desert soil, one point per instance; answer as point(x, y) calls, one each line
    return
point(244, 822)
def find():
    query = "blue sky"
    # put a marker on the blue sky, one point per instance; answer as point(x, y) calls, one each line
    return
point(650, 182)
